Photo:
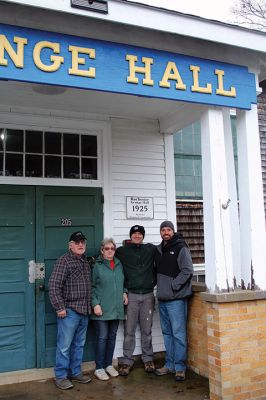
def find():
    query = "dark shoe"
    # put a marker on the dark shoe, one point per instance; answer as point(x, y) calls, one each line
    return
point(63, 383)
point(163, 371)
point(124, 369)
point(149, 366)
point(80, 378)
point(180, 376)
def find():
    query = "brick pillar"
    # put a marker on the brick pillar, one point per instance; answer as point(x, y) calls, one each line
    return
point(236, 331)
point(197, 332)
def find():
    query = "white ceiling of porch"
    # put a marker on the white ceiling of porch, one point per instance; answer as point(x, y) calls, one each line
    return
point(18, 94)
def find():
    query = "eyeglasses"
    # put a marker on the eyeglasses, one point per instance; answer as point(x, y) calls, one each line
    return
point(107, 248)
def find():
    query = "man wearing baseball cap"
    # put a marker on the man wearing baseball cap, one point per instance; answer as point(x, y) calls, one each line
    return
point(138, 262)
point(174, 274)
point(70, 296)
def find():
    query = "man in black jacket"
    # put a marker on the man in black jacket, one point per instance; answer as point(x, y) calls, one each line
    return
point(174, 273)
point(138, 264)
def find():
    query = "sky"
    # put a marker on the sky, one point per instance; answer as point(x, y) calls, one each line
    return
point(211, 9)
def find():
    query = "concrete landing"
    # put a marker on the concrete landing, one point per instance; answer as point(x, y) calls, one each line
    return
point(137, 386)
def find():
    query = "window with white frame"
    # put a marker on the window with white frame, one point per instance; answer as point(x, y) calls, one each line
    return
point(46, 154)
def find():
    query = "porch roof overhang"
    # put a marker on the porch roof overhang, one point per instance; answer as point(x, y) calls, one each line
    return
point(139, 25)
point(171, 115)
point(160, 19)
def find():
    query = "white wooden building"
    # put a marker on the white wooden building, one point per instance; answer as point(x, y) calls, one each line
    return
point(175, 69)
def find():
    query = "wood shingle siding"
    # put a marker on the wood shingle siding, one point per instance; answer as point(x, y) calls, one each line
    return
point(189, 218)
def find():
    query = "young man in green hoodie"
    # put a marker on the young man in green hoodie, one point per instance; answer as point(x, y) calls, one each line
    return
point(138, 262)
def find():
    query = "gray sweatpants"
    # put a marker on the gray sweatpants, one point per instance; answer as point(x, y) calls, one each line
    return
point(140, 310)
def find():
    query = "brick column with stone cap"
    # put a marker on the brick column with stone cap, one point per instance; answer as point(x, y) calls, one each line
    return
point(236, 332)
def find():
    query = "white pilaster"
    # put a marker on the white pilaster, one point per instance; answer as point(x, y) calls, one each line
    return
point(217, 232)
point(170, 177)
point(107, 180)
point(252, 218)
point(232, 190)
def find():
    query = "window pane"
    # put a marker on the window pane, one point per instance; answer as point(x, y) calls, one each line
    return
point(52, 167)
point(71, 144)
point(89, 168)
point(52, 143)
point(33, 142)
point(71, 168)
point(179, 165)
point(88, 145)
point(34, 166)
point(187, 140)
point(14, 140)
point(178, 142)
point(1, 164)
point(14, 165)
point(2, 137)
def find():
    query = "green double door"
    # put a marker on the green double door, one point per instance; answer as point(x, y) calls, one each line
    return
point(35, 225)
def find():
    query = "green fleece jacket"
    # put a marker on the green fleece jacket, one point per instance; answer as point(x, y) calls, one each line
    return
point(138, 264)
point(108, 289)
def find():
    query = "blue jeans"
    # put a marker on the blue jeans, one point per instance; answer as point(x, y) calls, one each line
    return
point(173, 318)
point(71, 337)
point(105, 342)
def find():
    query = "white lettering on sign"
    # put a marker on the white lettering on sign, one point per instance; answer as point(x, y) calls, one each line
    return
point(139, 207)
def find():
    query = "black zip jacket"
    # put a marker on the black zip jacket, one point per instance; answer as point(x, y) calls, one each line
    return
point(174, 269)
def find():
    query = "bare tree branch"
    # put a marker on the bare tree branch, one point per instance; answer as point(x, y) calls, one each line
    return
point(250, 13)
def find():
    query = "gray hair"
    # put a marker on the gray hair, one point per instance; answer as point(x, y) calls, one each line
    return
point(106, 241)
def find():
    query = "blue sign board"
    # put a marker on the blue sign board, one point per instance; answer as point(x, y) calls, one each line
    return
point(50, 58)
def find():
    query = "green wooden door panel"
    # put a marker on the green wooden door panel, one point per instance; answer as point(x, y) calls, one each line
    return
point(17, 295)
point(33, 227)
point(55, 209)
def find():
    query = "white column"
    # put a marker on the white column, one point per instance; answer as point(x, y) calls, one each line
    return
point(252, 218)
point(232, 190)
point(217, 232)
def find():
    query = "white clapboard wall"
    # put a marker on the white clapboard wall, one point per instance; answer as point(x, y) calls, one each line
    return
point(138, 169)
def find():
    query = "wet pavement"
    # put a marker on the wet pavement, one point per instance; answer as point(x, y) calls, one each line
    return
point(138, 385)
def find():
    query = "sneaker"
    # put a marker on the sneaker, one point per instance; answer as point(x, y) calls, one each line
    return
point(80, 378)
point(111, 371)
point(163, 371)
point(149, 366)
point(63, 383)
point(180, 376)
point(124, 369)
point(101, 374)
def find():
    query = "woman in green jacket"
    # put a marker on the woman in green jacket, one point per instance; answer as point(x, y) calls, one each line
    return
point(108, 300)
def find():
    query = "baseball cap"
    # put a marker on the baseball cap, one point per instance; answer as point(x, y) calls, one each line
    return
point(77, 236)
